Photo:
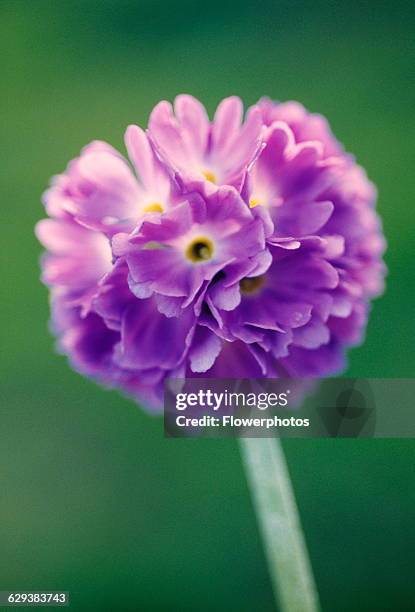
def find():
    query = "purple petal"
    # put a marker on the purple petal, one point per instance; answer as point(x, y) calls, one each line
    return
point(303, 219)
point(312, 335)
point(163, 269)
point(206, 347)
point(114, 188)
point(149, 339)
point(225, 298)
point(77, 257)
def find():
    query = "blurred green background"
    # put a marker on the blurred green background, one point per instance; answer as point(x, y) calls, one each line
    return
point(93, 499)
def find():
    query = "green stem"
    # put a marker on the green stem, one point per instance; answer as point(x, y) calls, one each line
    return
point(279, 522)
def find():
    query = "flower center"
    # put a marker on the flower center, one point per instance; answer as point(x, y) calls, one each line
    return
point(153, 207)
point(250, 286)
point(253, 201)
point(210, 176)
point(200, 249)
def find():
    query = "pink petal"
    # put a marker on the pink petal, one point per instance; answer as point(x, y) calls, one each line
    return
point(226, 123)
point(194, 122)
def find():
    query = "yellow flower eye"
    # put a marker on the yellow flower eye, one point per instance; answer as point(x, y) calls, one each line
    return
point(210, 176)
point(254, 202)
point(200, 249)
point(250, 286)
point(154, 207)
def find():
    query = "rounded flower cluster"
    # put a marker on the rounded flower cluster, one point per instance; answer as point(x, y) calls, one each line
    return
point(238, 247)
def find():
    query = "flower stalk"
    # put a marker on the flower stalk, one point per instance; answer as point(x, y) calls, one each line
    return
point(279, 523)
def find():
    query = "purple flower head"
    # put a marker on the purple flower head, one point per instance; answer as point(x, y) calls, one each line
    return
point(228, 248)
